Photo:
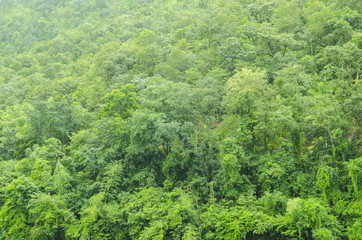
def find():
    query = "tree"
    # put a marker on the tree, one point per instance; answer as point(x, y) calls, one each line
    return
point(14, 216)
point(51, 119)
point(120, 102)
point(242, 91)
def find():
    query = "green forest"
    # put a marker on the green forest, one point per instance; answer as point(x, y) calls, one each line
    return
point(180, 119)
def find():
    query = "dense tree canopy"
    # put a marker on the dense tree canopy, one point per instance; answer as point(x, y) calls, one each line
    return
point(187, 119)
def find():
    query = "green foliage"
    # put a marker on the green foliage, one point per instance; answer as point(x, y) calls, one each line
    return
point(243, 89)
point(51, 119)
point(305, 218)
point(354, 167)
point(354, 232)
point(234, 166)
point(50, 217)
point(237, 222)
point(120, 102)
point(15, 219)
point(180, 119)
point(324, 180)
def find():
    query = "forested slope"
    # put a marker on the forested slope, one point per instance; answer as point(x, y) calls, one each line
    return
point(180, 119)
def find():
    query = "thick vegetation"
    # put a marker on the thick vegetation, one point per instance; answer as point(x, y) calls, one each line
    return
point(180, 119)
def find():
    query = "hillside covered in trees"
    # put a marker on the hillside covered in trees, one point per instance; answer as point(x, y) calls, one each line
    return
point(180, 119)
